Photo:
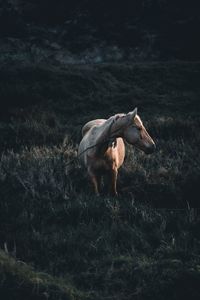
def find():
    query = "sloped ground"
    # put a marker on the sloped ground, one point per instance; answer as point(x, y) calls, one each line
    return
point(20, 281)
point(143, 244)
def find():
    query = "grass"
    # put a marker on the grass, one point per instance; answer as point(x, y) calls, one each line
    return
point(145, 243)
point(20, 281)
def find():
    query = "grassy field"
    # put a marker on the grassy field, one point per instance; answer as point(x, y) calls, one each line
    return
point(58, 240)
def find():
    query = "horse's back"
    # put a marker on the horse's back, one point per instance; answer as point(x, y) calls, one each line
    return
point(91, 124)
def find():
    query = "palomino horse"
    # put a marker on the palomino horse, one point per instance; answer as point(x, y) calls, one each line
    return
point(102, 149)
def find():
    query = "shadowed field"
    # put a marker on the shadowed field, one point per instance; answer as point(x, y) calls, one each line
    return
point(142, 245)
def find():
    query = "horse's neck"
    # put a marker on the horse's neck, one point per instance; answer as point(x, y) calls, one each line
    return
point(108, 132)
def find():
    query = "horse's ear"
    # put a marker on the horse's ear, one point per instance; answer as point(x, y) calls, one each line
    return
point(132, 114)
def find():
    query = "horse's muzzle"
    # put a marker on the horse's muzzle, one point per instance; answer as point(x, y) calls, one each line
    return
point(150, 149)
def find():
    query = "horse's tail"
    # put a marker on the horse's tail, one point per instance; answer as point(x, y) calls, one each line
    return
point(90, 124)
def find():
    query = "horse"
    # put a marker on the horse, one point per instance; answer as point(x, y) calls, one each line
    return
point(102, 148)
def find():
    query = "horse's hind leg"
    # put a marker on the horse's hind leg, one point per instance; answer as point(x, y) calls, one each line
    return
point(95, 181)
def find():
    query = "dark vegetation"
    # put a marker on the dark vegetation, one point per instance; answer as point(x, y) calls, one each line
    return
point(61, 241)
point(96, 31)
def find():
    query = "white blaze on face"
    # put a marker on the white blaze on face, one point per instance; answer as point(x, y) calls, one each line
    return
point(146, 140)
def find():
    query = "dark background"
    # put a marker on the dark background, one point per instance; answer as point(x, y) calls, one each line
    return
point(137, 29)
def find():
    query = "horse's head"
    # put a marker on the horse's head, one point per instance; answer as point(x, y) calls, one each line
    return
point(136, 134)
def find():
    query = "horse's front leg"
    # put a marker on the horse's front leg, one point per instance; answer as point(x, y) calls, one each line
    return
point(113, 182)
point(94, 181)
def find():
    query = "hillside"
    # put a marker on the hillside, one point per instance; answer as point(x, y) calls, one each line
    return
point(62, 242)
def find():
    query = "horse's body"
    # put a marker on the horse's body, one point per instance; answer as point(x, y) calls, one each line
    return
point(102, 148)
